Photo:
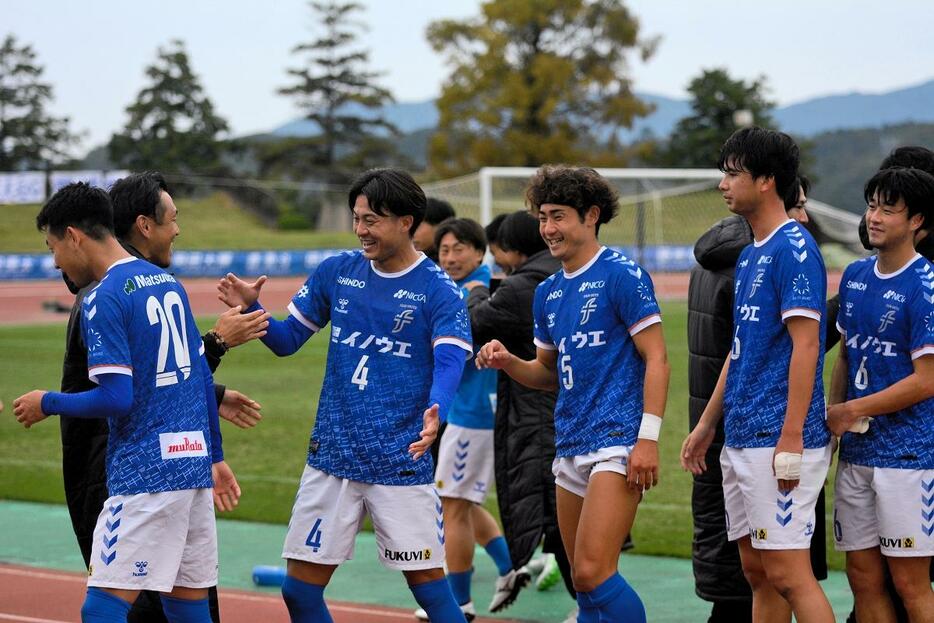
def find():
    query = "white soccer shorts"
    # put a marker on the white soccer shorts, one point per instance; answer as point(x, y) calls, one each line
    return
point(329, 512)
point(754, 505)
point(465, 463)
point(574, 472)
point(155, 541)
point(889, 508)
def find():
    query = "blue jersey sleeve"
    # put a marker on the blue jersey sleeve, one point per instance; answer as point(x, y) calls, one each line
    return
point(921, 316)
point(448, 317)
point(800, 278)
point(113, 397)
point(635, 302)
point(842, 315)
point(541, 332)
point(311, 305)
point(105, 335)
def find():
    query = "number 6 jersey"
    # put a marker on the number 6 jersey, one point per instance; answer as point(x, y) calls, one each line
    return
point(137, 322)
point(886, 321)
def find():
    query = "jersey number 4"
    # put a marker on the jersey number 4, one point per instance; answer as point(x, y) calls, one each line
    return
point(359, 375)
point(164, 314)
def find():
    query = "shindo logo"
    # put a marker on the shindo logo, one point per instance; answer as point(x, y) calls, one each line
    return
point(856, 285)
point(353, 283)
point(409, 296)
point(591, 285)
point(554, 295)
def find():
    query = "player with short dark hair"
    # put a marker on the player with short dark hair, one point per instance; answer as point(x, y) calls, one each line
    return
point(600, 309)
point(770, 391)
point(398, 340)
point(882, 403)
point(436, 212)
point(156, 530)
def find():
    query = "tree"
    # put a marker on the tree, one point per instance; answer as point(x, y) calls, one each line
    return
point(715, 100)
point(335, 90)
point(534, 81)
point(172, 125)
point(30, 137)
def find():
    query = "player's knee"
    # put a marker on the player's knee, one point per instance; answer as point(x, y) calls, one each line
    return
point(785, 580)
point(456, 510)
point(755, 575)
point(864, 578)
point(587, 574)
point(910, 585)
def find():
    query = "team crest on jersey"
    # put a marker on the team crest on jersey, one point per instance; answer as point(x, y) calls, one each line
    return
point(302, 292)
point(887, 320)
point(93, 340)
point(643, 291)
point(801, 285)
point(929, 321)
point(757, 282)
point(588, 308)
point(403, 319)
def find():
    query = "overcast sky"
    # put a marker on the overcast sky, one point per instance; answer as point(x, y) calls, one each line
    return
point(94, 52)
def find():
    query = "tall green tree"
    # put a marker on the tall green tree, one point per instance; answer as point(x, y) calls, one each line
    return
point(715, 100)
point(172, 125)
point(534, 81)
point(30, 137)
point(334, 89)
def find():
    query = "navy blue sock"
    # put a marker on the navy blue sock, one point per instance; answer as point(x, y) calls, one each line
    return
point(438, 601)
point(614, 600)
point(305, 601)
point(460, 585)
point(103, 607)
point(499, 552)
point(186, 610)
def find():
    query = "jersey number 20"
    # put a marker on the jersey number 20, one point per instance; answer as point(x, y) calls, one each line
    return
point(164, 315)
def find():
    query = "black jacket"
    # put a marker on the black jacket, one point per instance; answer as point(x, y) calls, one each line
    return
point(524, 436)
point(718, 572)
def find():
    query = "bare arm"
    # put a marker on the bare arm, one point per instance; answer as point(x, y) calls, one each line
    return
point(695, 446)
point(539, 373)
point(643, 460)
point(838, 379)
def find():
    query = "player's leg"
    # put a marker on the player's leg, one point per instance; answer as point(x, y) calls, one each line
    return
point(789, 572)
point(326, 517)
point(107, 605)
point(186, 605)
point(866, 575)
point(768, 606)
point(459, 545)
point(913, 584)
point(487, 533)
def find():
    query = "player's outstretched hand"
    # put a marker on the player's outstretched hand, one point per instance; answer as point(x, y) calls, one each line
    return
point(642, 470)
point(430, 424)
point(793, 445)
point(28, 408)
point(236, 328)
point(226, 490)
point(233, 290)
point(694, 449)
point(239, 409)
point(493, 355)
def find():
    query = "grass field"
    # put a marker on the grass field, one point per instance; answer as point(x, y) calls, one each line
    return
point(269, 458)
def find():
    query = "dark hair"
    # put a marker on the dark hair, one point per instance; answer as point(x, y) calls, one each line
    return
point(438, 210)
point(913, 186)
point(794, 191)
point(77, 205)
point(465, 230)
point(136, 195)
point(519, 232)
point(576, 187)
point(390, 191)
point(492, 229)
point(911, 157)
point(762, 152)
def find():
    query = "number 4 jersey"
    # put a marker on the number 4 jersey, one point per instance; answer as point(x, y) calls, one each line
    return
point(589, 317)
point(137, 322)
point(886, 321)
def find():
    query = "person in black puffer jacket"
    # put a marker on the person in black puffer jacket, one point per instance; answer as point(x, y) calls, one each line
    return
point(718, 574)
point(524, 434)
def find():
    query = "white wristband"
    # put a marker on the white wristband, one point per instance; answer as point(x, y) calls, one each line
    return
point(651, 427)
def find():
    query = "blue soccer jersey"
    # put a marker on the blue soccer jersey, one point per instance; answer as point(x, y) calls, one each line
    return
point(886, 322)
point(137, 321)
point(473, 404)
point(379, 366)
point(776, 279)
point(589, 317)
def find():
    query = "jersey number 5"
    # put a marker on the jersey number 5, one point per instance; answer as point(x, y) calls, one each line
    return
point(164, 315)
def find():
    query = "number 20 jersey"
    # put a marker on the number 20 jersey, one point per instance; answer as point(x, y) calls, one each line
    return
point(776, 279)
point(137, 321)
point(380, 361)
point(886, 322)
point(589, 317)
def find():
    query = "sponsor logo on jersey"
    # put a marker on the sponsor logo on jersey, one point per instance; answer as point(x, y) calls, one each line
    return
point(883, 347)
point(765, 259)
point(405, 295)
point(591, 285)
point(856, 285)
point(353, 283)
point(407, 556)
point(145, 281)
point(182, 445)
point(342, 304)
point(383, 344)
point(551, 320)
point(141, 568)
point(760, 534)
point(892, 295)
point(757, 283)
point(554, 295)
point(906, 542)
point(129, 287)
point(749, 312)
point(801, 285)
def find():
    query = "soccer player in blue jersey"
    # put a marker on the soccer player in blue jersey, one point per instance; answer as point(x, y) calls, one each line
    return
point(399, 337)
point(882, 404)
point(770, 392)
point(156, 530)
point(599, 341)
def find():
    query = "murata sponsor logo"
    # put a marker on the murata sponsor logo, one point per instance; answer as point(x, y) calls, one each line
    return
point(407, 556)
point(183, 444)
point(353, 283)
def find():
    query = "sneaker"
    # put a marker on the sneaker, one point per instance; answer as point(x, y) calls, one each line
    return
point(470, 613)
point(572, 616)
point(550, 574)
point(536, 565)
point(508, 587)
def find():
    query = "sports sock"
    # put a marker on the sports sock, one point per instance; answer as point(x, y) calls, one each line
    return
point(103, 607)
point(186, 610)
point(305, 601)
point(499, 552)
point(438, 601)
point(614, 600)
point(460, 585)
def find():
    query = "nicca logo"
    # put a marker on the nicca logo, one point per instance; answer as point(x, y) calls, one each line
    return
point(590, 285)
point(409, 296)
point(856, 285)
point(554, 295)
point(892, 295)
point(407, 556)
point(353, 283)
point(897, 543)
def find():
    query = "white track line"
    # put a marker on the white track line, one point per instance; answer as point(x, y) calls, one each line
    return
point(21, 619)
